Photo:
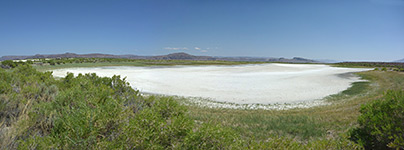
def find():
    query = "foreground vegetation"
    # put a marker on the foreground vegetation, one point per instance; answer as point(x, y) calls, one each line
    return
point(381, 124)
point(40, 112)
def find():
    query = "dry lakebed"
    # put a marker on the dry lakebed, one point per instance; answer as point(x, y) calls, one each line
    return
point(239, 84)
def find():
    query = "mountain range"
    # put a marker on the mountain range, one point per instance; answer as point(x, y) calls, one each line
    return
point(173, 56)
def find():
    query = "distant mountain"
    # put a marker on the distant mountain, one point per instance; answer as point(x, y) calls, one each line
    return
point(293, 60)
point(173, 56)
point(401, 60)
point(65, 55)
point(259, 59)
point(330, 61)
point(182, 56)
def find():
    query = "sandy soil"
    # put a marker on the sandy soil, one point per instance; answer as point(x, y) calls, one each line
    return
point(243, 84)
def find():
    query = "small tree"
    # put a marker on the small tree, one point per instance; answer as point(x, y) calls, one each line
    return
point(51, 62)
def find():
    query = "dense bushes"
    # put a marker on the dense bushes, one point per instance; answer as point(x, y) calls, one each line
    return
point(91, 112)
point(381, 123)
point(12, 64)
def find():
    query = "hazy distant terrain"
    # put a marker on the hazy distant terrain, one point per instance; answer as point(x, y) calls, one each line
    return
point(401, 60)
point(173, 56)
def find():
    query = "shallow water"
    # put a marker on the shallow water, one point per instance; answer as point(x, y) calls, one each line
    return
point(242, 84)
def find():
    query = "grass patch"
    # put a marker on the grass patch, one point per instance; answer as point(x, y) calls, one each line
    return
point(357, 88)
point(262, 126)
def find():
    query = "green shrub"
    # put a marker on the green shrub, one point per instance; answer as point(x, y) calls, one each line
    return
point(163, 125)
point(9, 63)
point(381, 123)
point(88, 112)
point(384, 69)
point(51, 62)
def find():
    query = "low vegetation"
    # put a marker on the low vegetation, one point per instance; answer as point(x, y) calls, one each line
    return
point(38, 111)
point(381, 123)
point(12, 64)
point(48, 64)
point(384, 66)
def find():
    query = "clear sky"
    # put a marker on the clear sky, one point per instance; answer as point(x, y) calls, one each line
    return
point(318, 29)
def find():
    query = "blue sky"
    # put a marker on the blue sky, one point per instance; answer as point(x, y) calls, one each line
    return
point(320, 29)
